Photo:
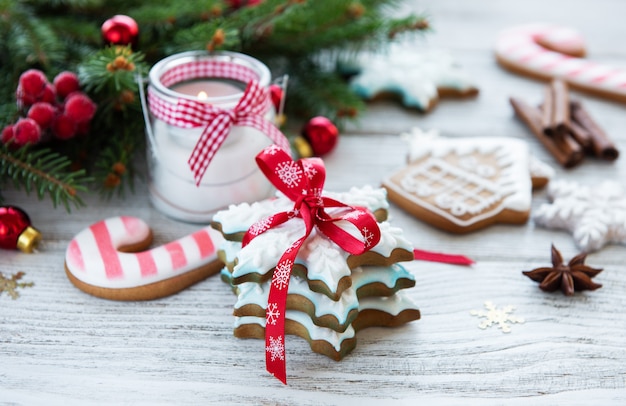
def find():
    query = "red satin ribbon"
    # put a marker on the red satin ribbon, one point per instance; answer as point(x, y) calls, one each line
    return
point(302, 181)
point(454, 259)
point(218, 122)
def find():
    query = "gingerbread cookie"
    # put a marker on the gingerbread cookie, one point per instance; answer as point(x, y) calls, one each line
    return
point(595, 215)
point(332, 294)
point(549, 51)
point(419, 80)
point(109, 259)
point(463, 184)
point(540, 173)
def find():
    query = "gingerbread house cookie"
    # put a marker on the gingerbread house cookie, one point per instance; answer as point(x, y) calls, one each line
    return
point(463, 184)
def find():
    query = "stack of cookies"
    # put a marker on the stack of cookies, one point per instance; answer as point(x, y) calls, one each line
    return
point(332, 294)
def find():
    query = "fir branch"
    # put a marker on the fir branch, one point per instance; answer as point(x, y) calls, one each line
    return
point(30, 39)
point(44, 172)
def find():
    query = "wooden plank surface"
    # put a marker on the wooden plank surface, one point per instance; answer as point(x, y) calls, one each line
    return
point(61, 346)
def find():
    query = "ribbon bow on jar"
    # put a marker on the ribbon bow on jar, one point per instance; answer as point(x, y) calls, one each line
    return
point(218, 122)
point(302, 182)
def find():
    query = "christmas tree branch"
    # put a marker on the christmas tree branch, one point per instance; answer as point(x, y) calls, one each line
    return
point(46, 172)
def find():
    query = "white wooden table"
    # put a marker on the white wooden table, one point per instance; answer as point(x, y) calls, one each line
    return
point(59, 345)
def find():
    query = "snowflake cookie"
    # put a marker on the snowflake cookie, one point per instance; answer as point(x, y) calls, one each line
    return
point(595, 215)
point(419, 79)
point(463, 184)
point(331, 294)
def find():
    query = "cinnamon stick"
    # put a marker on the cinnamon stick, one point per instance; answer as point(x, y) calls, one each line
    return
point(601, 144)
point(562, 147)
point(581, 135)
point(556, 108)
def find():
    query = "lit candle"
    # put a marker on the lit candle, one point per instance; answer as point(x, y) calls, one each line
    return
point(213, 87)
point(233, 175)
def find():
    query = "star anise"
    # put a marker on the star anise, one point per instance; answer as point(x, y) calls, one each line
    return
point(574, 276)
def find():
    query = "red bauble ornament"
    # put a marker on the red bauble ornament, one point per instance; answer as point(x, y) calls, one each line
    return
point(276, 94)
point(242, 3)
point(16, 231)
point(120, 30)
point(321, 134)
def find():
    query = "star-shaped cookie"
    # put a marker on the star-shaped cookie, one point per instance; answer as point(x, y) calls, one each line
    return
point(595, 215)
point(332, 294)
point(419, 79)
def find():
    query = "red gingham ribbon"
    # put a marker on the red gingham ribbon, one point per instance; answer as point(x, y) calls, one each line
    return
point(248, 112)
point(217, 122)
point(302, 181)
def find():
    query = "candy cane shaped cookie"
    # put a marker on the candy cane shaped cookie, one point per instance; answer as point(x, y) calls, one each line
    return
point(110, 259)
point(547, 51)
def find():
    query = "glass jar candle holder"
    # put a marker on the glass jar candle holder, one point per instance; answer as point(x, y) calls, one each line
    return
point(218, 79)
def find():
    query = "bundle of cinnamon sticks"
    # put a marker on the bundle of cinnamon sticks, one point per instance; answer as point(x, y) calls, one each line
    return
point(565, 127)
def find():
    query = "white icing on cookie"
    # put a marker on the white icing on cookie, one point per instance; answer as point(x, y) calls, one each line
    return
point(315, 332)
point(257, 294)
point(325, 260)
point(238, 218)
point(389, 276)
point(392, 305)
point(540, 169)
point(595, 215)
point(416, 77)
point(452, 177)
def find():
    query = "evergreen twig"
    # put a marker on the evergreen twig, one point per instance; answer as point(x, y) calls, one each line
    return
point(302, 38)
point(43, 172)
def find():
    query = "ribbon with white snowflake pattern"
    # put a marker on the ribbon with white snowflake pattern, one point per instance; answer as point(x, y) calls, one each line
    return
point(302, 182)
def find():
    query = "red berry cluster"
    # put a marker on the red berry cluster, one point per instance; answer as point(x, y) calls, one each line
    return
point(59, 108)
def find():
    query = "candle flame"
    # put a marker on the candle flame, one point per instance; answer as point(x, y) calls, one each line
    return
point(202, 95)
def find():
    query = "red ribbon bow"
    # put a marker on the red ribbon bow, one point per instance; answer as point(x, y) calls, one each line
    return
point(302, 181)
point(218, 122)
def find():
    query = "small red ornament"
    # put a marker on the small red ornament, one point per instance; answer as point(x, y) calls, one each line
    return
point(120, 30)
point(242, 3)
point(276, 94)
point(16, 231)
point(321, 134)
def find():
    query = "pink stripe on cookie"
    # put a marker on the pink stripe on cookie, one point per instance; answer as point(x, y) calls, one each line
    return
point(177, 254)
point(108, 253)
point(75, 256)
point(204, 242)
point(146, 262)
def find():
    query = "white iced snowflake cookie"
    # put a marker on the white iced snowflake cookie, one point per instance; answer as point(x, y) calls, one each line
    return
point(320, 260)
point(463, 184)
point(595, 215)
point(331, 294)
point(236, 220)
point(385, 311)
point(418, 78)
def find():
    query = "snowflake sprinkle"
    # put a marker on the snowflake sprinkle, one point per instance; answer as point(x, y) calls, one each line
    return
point(10, 285)
point(500, 317)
